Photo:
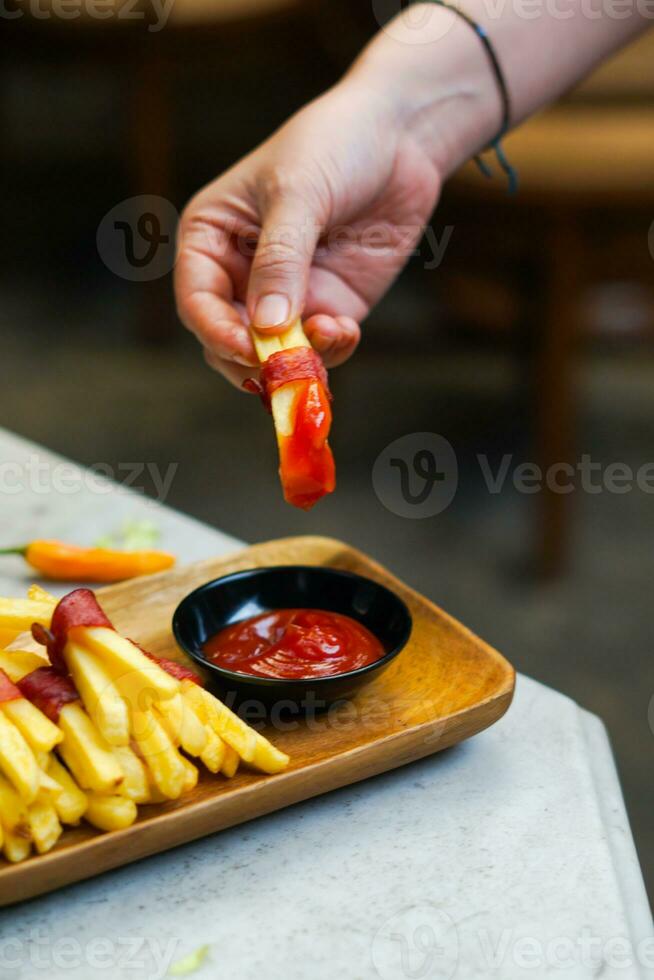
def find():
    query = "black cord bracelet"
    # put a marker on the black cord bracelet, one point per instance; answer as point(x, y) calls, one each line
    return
point(496, 144)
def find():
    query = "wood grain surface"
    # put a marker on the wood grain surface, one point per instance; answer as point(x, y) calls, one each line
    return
point(445, 686)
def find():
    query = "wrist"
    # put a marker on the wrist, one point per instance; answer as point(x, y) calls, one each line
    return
point(434, 78)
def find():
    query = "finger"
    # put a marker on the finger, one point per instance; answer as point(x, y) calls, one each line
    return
point(205, 305)
point(234, 373)
point(335, 338)
point(280, 269)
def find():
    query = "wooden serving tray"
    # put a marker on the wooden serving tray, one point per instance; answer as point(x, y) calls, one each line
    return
point(445, 686)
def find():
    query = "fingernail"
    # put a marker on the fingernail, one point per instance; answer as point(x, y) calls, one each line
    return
point(272, 310)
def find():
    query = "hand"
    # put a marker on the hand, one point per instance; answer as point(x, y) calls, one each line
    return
point(318, 221)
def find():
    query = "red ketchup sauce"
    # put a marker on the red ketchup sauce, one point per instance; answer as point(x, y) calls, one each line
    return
point(294, 643)
point(306, 467)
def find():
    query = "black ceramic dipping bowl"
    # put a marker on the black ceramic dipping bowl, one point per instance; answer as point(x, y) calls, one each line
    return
point(235, 597)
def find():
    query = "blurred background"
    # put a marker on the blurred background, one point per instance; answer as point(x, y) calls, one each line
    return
point(532, 338)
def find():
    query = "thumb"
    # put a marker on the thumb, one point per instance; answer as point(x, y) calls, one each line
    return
point(280, 268)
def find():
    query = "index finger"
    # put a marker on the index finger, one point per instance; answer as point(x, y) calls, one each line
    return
point(205, 305)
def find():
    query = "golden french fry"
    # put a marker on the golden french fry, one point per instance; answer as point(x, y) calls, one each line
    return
point(15, 848)
point(230, 762)
point(13, 811)
point(47, 783)
point(171, 713)
point(252, 747)
point(17, 760)
point(99, 694)
point(183, 725)
point(37, 594)
point(267, 758)
point(44, 823)
point(7, 637)
point(136, 785)
point(19, 614)
point(283, 399)
point(191, 775)
point(138, 678)
point(110, 812)
point(159, 753)
point(70, 803)
point(224, 722)
point(37, 730)
point(213, 753)
point(17, 663)
point(86, 753)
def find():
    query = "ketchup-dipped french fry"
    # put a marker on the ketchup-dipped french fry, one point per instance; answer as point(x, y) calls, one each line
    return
point(294, 386)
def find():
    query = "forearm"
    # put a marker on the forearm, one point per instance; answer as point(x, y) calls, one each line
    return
point(437, 77)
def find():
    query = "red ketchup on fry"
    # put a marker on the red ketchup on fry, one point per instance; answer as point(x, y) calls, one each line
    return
point(294, 643)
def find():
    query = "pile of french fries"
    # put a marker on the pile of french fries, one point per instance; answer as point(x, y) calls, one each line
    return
point(128, 740)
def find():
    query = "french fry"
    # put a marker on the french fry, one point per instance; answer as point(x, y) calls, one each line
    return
point(7, 637)
point(135, 785)
point(86, 753)
point(19, 614)
point(37, 594)
point(282, 401)
point(110, 812)
point(47, 784)
point(17, 761)
point(223, 721)
point(15, 848)
point(267, 758)
point(252, 747)
point(230, 762)
point(99, 694)
point(213, 753)
point(191, 775)
point(183, 725)
point(17, 663)
point(138, 678)
point(159, 753)
point(37, 730)
point(13, 811)
point(44, 823)
point(70, 803)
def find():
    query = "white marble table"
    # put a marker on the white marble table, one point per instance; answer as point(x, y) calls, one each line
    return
point(509, 856)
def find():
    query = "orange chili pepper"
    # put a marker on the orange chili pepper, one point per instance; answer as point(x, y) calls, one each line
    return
point(70, 563)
